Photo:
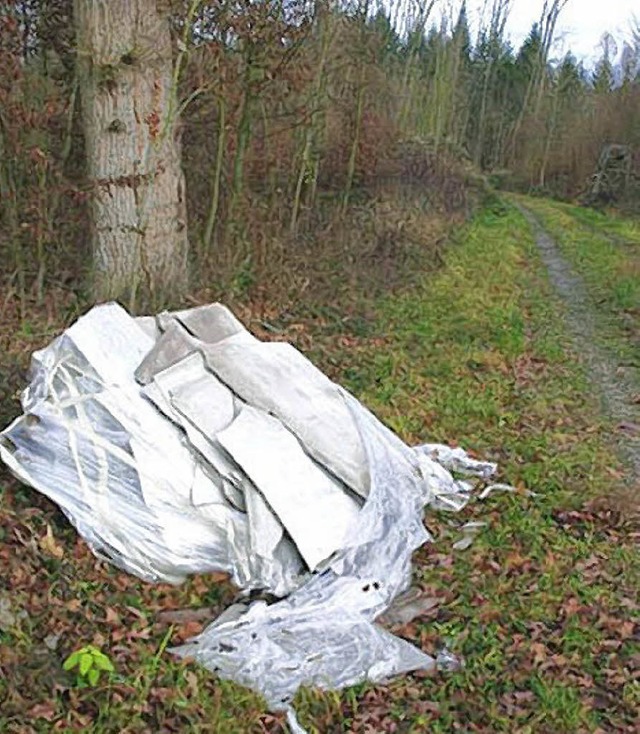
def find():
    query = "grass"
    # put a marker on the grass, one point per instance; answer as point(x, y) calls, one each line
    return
point(541, 606)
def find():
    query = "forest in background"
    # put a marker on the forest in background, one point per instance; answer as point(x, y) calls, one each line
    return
point(323, 142)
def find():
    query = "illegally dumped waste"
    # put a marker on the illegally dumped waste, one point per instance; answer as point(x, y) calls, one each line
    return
point(182, 444)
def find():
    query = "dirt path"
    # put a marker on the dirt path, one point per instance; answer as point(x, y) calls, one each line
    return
point(618, 390)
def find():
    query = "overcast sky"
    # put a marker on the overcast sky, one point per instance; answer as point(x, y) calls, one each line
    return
point(581, 25)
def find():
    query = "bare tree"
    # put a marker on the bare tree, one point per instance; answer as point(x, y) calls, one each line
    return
point(537, 82)
point(494, 28)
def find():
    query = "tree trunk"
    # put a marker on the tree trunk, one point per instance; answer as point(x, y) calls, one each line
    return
point(355, 143)
point(243, 140)
point(551, 130)
point(482, 116)
point(307, 170)
point(128, 93)
point(212, 217)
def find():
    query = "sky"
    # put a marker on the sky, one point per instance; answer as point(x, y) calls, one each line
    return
point(580, 27)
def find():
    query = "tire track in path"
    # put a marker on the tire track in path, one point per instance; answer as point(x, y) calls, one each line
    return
point(619, 391)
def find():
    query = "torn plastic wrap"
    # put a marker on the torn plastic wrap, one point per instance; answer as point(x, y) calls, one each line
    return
point(182, 444)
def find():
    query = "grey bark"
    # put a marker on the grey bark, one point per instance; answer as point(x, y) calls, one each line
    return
point(128, 93)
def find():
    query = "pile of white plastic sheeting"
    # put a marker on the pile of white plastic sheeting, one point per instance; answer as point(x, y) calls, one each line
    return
point(182, 444)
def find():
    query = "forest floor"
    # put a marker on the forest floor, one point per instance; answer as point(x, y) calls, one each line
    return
point(522, 347)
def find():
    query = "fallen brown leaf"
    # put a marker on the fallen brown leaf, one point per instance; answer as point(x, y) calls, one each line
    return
point(49, 544)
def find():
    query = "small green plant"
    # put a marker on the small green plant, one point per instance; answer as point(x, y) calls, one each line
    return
point(90, 664)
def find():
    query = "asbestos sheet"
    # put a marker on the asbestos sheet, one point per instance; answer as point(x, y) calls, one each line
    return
point(181, 444)
point(276, 378)
point(314, 509)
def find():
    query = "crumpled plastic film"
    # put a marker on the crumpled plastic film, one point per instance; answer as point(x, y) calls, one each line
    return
point(182, 444)
point(324, 634)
